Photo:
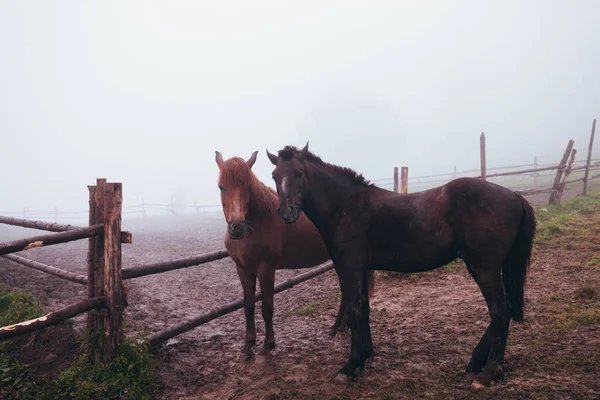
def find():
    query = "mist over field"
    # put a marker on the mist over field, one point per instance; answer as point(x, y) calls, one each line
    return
point(143, 93)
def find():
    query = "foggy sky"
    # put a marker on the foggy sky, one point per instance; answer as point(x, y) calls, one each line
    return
point(144, 92)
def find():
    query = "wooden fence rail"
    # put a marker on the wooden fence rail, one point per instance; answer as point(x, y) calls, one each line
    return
point(47, 240)
point(194, 322)
point(157, 268)
point(52, 318)
point(69, 276)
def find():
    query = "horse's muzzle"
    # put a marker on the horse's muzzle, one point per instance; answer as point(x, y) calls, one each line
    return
point(289, 215)
point(237, 229)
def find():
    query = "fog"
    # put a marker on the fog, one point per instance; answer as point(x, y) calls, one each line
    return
point(144, 92)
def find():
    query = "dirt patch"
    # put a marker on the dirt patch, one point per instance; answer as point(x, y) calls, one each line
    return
point(424, 327)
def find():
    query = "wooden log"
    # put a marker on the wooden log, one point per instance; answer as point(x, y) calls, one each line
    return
point(47, 240)
point(217, 312)
point(52, 318)
point(395, 179)
point(95, 260)
point(404, 180)
point(157, 268)
point(113, 284)
point(535, 165)
point(561, 165)
point(69, 276)
point(482, 156)
point(44, 226)
point(589, 159)
point(561, 187)
point(525, 171)
point(534, 191)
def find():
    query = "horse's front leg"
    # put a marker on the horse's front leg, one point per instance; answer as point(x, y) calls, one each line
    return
point(266, 278)
point(357, 308)
point(248, 281)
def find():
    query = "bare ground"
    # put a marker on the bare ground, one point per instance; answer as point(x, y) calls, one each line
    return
point(424, 327)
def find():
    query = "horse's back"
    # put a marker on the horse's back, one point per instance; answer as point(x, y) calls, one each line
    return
point(424, 230)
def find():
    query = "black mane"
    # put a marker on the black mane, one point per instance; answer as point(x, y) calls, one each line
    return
point(289, 152)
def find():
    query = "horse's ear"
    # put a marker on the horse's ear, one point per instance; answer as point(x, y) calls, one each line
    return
point(252, 159)
point(303, 152)
point(218, 158)
point(274, 159)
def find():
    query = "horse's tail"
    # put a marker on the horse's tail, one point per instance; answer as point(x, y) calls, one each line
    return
point(370, 282)
point(517, 261)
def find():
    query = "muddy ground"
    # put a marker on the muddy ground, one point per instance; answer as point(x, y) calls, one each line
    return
point(424, 327)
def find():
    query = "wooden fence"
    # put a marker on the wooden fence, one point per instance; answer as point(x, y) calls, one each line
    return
point(563, 168)
point(106, 296)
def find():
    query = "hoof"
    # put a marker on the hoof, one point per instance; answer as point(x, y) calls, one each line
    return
point(476, 385)
point(332, 332)
point(269, 345)
point(342, 377)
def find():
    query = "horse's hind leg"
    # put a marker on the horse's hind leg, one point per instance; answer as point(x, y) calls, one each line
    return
point(340, 320)
point(491, 347)
point(249, 285)
point(266, 278)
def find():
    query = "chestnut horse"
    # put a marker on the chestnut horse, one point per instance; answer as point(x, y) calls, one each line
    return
point(259, 242)
point(489, 227)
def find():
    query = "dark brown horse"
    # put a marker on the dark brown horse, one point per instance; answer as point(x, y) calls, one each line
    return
point(364, 227)
point(259, 242)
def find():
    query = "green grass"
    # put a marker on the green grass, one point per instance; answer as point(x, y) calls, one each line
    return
point(129, 376)
point(308, 309)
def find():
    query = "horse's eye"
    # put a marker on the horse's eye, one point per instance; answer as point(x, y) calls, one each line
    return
point(299, 173)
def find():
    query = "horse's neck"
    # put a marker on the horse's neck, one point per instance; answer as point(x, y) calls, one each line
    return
point(327, 196)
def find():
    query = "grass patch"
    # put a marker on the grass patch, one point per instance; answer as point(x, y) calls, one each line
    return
point(585, 293)
point(129, 376)
point(574, 316)
point(17, 307)
point(309, 309)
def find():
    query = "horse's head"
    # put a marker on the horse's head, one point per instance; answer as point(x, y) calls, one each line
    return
point(290, 181)
point(235, 183)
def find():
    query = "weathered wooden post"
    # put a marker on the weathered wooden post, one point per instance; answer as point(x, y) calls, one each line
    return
point(395, 179)
point(589, 160)
point(95, 283)
point(559, 171)
point(113, 282)
point(404, 180)
point(482, 155)
point(535, 174)
point(562, 186)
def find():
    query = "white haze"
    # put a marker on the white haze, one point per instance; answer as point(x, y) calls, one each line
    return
point(144, 92)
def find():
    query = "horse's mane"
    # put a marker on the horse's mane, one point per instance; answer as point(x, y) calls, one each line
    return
point(235, 171)
point(289, 152)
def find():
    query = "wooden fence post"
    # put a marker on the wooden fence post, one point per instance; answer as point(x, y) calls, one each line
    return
point(395, 179)
point(197, 209)
point(535, 174)
point(113, 283)
point(559, 171)
point(561, 188)
point(95, 283)
point(589, 159)
point(404, 180)
point(454, 174)
point(482, 155)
